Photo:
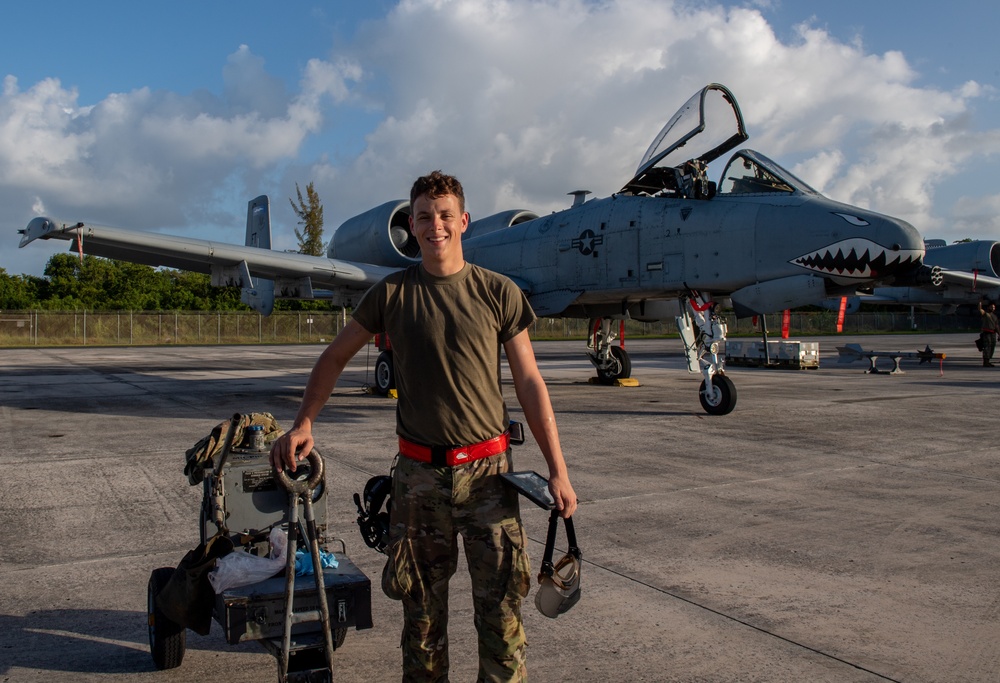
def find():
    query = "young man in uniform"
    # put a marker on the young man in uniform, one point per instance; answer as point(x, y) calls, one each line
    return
point(988, 335)
point(447, 320)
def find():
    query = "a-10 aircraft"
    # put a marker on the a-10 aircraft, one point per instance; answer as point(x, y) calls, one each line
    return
point(669, 243)
point(961, 276)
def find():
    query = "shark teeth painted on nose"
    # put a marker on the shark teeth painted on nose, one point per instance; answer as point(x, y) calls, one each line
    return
point(857, 258)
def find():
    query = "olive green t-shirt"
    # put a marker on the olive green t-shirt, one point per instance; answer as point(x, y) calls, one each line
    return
point(446, 334)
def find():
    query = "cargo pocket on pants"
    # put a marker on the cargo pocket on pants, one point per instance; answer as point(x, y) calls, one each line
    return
point(519, 581)
point(397, 577)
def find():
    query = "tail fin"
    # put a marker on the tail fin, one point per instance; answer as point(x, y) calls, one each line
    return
point(260, 295)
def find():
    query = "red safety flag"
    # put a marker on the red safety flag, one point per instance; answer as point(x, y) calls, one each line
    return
point(786, 322)
point(79, 244)
point(841, 313)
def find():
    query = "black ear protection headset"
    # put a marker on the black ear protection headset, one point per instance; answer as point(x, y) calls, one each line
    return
point(373, 520)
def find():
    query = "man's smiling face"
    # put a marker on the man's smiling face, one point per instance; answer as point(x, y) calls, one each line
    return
point(438, 224)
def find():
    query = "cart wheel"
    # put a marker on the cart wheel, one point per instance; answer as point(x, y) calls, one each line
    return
point(167, 639)
point(338, 637)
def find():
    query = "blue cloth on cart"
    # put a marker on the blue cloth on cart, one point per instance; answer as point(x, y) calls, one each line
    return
point(304, 562)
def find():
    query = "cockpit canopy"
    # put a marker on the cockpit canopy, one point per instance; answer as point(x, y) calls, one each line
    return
point(713, 116)
point(711, 121)
point(750, 172)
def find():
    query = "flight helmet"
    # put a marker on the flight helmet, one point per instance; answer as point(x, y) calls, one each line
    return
point(559, 583)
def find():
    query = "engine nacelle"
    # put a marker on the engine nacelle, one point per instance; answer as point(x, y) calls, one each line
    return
point(498, 221)
point(380, 236)
point(981, 256)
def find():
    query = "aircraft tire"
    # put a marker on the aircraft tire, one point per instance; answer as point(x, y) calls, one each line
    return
point(723, 397)
point(167, 639)
point(620, 369)
point(385, 378)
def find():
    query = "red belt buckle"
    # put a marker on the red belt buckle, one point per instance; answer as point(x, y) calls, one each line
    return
point(458, 455)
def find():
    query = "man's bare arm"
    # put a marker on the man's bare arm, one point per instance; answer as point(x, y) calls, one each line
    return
point(533, 396)
point(296, 443)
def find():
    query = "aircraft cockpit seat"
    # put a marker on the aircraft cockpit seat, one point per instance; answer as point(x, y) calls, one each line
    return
point(696, 183)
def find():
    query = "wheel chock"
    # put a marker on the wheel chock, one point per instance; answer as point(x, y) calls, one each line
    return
point(624, 382)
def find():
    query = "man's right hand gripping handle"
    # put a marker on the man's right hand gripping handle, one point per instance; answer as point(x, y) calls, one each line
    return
point(291, 447)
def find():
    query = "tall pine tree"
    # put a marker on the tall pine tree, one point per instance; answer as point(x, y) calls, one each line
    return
point(310, 213)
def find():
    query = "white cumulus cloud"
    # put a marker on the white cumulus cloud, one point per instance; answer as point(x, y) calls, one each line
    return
point(524, 100)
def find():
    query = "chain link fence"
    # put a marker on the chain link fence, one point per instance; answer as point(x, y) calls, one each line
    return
point(124, 328)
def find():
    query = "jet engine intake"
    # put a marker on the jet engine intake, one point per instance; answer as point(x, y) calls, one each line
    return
point(379, 236)
point(498, 221)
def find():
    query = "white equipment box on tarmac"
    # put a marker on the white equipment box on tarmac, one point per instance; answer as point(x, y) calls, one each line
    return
point(784, 354)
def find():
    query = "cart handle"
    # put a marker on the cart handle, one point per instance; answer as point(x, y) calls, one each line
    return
point(301, 487)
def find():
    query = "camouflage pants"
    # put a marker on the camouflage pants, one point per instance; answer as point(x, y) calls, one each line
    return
point(431, 506)
point(989, 345)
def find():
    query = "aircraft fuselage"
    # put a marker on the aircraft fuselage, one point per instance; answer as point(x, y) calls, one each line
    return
point(624, 249)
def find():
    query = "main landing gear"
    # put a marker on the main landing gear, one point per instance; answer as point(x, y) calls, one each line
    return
point(612, 362)
point(704, 335)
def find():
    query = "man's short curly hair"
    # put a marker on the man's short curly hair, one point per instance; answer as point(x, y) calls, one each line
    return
point(436, 184)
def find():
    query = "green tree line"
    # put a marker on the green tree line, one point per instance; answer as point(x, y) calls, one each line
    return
point(99, 284)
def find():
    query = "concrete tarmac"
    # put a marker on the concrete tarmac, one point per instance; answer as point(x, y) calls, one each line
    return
point(837, 526)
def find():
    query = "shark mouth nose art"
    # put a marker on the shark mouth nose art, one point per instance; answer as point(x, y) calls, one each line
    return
point(858, 258)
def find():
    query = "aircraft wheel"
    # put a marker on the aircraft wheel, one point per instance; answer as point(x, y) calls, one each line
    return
point(167, 640)
point(721, 399)
point(621, 366)
point(384, 377)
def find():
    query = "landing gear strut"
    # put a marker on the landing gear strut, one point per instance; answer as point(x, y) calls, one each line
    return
point(704, 335)
point(612, 362)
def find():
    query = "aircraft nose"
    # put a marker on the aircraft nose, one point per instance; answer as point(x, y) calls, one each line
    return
point(903, 238)
point(904, 247)
point(866, 246)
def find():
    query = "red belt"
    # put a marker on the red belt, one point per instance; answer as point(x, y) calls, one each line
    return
point(441, 456)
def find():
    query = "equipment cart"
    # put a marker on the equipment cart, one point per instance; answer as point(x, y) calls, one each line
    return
point(244, 499)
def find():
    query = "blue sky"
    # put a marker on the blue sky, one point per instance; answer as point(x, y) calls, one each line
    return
point(169, 117)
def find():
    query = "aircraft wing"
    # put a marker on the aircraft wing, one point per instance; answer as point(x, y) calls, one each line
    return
point(228, 264)
point(972, 280)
